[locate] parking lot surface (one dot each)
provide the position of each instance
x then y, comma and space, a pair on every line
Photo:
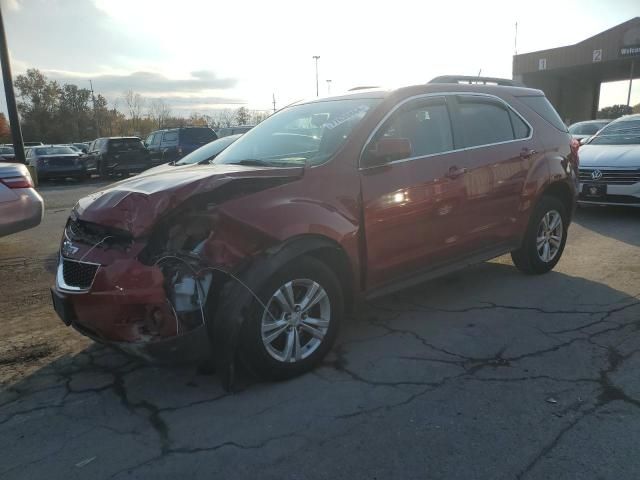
483, 374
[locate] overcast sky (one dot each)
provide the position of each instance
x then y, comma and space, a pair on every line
202, 55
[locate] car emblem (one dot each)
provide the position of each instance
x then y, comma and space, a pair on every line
69, 249
596, 175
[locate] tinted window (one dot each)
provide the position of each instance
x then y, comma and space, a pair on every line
425, 123
170, 136
543, 107
125, 144
483, 122
520, 129
53, 151
197, 136
6, 150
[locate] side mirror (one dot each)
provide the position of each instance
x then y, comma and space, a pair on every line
387, 150
585, 140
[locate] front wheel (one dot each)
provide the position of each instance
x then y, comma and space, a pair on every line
304, 306
545, 238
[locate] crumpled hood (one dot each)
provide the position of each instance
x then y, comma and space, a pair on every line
610, 156
136, 203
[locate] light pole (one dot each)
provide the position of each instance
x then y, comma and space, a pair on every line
328, 87
316, 57
16, 131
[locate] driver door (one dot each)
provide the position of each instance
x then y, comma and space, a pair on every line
404, 190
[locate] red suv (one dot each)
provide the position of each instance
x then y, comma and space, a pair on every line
258, 255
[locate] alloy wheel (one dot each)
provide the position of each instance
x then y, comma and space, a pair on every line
549, 237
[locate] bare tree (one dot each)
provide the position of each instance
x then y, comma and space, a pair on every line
135, 105
159, 112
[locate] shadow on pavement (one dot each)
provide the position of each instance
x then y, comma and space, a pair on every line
621, 223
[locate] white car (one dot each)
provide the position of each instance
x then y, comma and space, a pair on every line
610, 165
21, 207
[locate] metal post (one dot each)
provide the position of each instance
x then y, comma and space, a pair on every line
328, 87
316, 57
95, 116
633, 63
16, 131
274, 102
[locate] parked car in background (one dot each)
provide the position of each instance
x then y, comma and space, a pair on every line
174, 143
264, 250
583, 130
7, 154
610, 164
72, 147
82, 146
56, 161
111, 155
205, 154
21, 207
226, 131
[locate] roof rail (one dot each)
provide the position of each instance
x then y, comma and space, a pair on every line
505, 82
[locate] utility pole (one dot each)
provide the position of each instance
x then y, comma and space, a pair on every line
633, 64
95, 116
328, 87
316, 58
274, 102
12, 109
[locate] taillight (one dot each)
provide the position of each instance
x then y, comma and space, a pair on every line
575, 147
21, 181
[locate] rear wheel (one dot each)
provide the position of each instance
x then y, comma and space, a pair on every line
545, 238
304, 307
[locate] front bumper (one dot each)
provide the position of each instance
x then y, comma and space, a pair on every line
126, 306
62, 172
624, 195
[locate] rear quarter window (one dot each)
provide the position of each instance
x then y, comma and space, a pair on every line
543, 107
170, 137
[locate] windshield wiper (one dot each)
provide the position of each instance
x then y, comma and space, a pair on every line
253, 162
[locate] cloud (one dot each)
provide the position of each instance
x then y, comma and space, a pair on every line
10, 4
147, 82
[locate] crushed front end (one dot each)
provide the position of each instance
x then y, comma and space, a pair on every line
153, 308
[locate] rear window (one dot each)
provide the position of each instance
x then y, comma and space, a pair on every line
484, 122
543, 107
197, 135
53, 151
125, 144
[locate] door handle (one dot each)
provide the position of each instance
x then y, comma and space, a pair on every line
527, 153
455, 172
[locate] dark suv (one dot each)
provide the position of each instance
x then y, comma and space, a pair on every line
117, 155
174, 143
260, 253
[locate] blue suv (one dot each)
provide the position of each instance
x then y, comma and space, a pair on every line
174, 143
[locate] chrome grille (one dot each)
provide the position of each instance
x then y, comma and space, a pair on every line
618, 176
77, 275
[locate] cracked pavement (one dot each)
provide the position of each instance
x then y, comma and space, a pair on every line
483, 374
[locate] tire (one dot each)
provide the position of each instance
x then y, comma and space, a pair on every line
529, 258
303, 273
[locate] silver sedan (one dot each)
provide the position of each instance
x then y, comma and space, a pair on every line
21, 207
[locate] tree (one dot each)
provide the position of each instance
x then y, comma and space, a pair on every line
615, 111
636, 108
38, 105
135, 104
242, 116
5, 131
159, 112
258, 116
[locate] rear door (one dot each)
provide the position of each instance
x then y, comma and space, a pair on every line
153, 146
404, 200
489, 179
128, 154
169, 146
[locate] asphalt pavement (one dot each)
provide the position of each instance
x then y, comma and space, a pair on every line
483, 374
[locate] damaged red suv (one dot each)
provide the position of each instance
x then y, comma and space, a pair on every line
258, 255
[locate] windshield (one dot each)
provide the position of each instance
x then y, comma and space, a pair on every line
208, 151
309, 133
626, 132
53, 151
586, 128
